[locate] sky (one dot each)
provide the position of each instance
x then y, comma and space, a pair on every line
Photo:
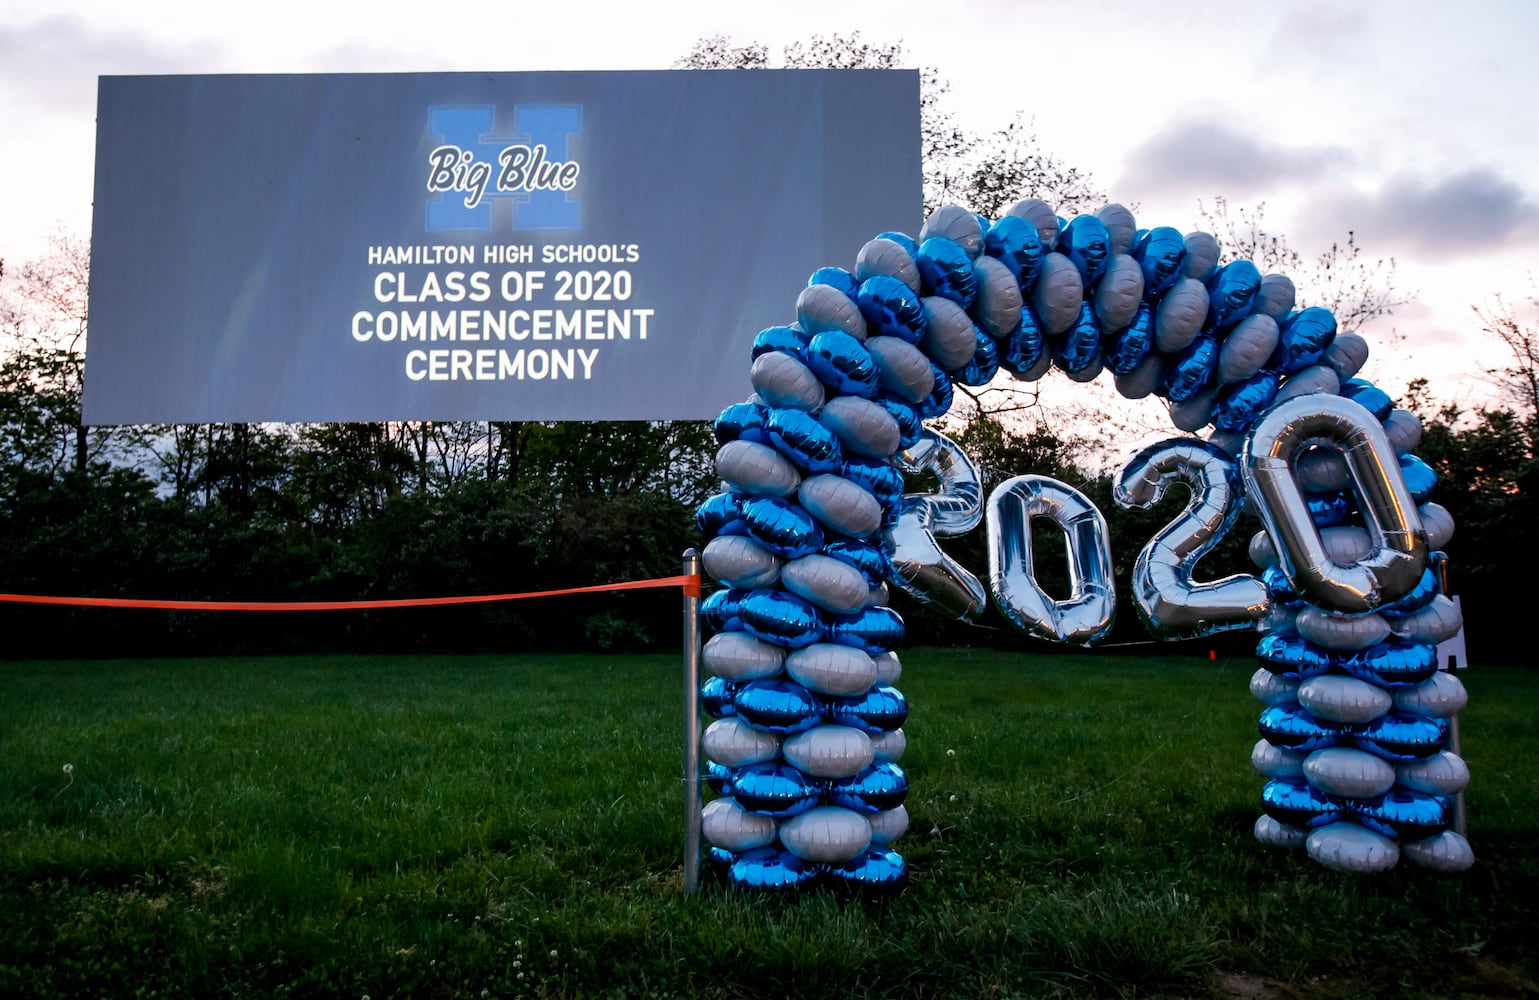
1408, 123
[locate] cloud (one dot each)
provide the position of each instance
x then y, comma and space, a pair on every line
1206, 158
1318, 33
53, 64
1476, 211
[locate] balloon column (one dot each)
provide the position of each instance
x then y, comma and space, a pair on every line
812, 526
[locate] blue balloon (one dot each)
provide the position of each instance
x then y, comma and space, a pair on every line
1232, 293
885, 481
1292, 727
1303, 340
877, 869
1192, 369
891, 308
721, 514
843, 364
742, 421
1280, 588
1238, 405
781, 618
1087, 243
718, 777
910, 425
865, 556
1330, 509
722, 610
1160, 253
770, 869
1403, 814
836, 277
774, 788
1024, 345
1369, 396
878, 788
785, 528
1016, 244
1402, 736
716, 697
939, 400
717, 861
1127, 348
809, 445
947, 271
903, 240
1420, 478
872, 629
1420, 596
880, 710
1081, 345
1393, 663
1298, 803
984, 364
785, 339
1290, 655
777, 705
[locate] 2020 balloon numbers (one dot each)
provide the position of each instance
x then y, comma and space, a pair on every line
813, 527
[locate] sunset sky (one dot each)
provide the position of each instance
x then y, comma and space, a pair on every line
1409, 123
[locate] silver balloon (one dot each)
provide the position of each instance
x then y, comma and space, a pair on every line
824, 307
1144, 379
1315, 378
1275, 297
1385, 575
1247, 348
1202, 256
1439, 524
826, 834
862, 427
1272, 689
1060, 291
957, 224
920, 568
884, 256
998, 307
959, 503
1335, 631
1348, 847
1436, 622
1347, 354
1170, 603
783, 381
1041, 215
1179, 319
750, 467
904, 370
1119, 292
1404, 431
1121, 228
950, 338
1085, 616
1349, 772
1447, 852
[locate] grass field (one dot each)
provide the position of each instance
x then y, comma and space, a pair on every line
510, 826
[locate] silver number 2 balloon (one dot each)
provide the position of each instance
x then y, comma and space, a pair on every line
919, 567
1170, 603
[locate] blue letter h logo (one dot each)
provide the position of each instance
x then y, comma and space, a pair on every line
472, 127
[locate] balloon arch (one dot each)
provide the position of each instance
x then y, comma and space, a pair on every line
813, 527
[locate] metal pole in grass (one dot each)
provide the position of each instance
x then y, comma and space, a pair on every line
692, 725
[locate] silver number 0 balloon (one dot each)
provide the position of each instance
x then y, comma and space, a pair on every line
1394, 567
1171, 604
1086, 614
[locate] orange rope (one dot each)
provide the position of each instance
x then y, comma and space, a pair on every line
690, 584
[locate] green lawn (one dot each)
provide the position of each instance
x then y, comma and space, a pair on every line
510, 826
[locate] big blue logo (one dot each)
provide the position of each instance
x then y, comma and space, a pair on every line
471, 169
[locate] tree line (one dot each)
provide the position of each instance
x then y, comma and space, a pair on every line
330, 512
